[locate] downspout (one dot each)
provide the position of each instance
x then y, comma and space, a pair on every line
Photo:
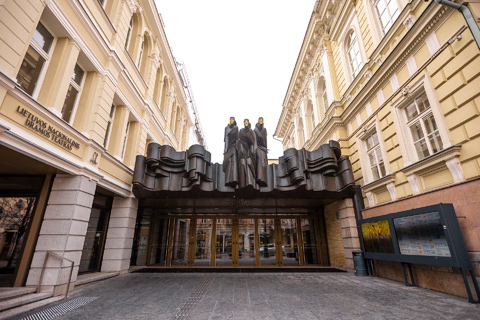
467, 14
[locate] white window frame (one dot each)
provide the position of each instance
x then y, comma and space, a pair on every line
352, 54
125, 140
79, 88
140, 54
351, 25
45, 55
374, 20
398, 106
129, 34
108, 132
366, 166
390, 15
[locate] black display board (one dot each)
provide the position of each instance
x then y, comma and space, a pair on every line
429, 235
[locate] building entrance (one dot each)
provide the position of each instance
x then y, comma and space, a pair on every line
226, 241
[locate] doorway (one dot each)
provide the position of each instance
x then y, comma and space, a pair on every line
226, 241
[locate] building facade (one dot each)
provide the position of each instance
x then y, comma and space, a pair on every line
395, 82
85, 86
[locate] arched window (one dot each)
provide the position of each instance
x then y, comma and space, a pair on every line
129, 34
322, 97
164, 101
143, 58
353, 53
388, 12
140, 54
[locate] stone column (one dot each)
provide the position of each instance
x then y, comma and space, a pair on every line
121, 228
348, 224
63, 232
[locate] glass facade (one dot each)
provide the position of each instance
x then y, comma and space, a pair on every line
226, 241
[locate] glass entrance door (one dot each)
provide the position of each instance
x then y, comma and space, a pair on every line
246, 242
267, 250
224, 242
159, 248
290, 256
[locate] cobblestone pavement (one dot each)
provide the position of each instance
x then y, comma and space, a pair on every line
257, 296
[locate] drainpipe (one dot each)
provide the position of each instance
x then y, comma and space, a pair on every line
467, 14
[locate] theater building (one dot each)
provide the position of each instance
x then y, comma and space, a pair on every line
395, 83
84, 87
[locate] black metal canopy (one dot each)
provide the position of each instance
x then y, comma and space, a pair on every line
189, 178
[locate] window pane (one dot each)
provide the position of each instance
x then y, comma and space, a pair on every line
422, 103
203, 242
411, 111
375, 173
69, 103
422, 149
43, 38
30, 70
417, 132
77, 74
373, 160
383, 172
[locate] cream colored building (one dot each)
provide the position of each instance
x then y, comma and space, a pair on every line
396, 82
84, 87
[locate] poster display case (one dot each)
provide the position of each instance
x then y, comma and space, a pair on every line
429, 235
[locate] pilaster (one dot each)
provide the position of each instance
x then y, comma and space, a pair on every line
348, 225
63, 232
119, 242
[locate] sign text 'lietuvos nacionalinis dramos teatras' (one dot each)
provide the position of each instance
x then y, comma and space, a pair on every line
41, 127
165, 172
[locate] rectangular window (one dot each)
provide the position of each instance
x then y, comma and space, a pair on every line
125, 140
375, 157
423, 127
38, 54
388, 12
109, 127
73, 94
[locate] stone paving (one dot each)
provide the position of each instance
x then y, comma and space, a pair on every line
261, 296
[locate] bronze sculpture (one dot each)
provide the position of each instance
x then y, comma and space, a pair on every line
246, 146
230, 158
261, 152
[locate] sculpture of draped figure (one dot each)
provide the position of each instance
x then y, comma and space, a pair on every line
230, 158
246, 146
261, 153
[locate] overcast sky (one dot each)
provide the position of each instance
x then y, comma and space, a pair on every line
239, 57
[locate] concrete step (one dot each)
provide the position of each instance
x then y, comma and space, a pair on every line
15, 312
22, 300
9, 293
93, 277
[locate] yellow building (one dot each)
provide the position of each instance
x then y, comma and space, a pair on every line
396, 83
84, 87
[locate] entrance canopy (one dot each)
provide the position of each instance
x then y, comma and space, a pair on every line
170, 178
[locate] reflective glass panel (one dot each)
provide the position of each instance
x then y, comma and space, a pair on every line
223, 246
93, 245
203, 242
15, 214
246, 242
309, 237
180, 241
141, 241
69, 103
289, 242
158, 255
43, 38
30, 69
266, 232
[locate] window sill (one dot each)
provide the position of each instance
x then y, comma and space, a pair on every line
379, 186
429, 165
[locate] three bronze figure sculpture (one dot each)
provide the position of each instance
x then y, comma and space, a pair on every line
245, 154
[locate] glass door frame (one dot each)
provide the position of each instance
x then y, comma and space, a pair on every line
319, 232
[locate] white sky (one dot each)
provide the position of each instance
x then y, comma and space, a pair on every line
239, 57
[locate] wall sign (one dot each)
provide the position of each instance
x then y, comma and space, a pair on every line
42, 128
